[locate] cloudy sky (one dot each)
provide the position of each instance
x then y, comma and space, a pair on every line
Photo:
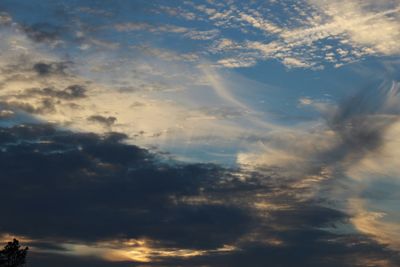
201, 133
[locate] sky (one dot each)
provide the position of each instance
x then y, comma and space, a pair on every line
202, 133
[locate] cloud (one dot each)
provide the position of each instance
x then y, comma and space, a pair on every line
312, 34
41, 107
295, 63
5, 18
309, 35
363, 120
98, 197
237, 63
69, 93
143, 197
89, 197
260, 23
107, 121
130, 26
178, 12
52, 68
365, 23
139, 26
43, 32
202, 35
37, 82
374, 223
352, 149
94, 11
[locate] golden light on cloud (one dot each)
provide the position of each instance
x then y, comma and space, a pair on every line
374, 223
7, 237
212, 131
137, 250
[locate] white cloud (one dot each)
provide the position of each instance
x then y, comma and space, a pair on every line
202, 35
293, 62
178, 12
305, 101
298, 34
364, 23
5, 18
237, 62
260, 23
153, 96
357, 162
374, 223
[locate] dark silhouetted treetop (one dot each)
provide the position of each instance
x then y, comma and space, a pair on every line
13, 255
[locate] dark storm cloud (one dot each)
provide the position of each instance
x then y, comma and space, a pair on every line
48, 259
85, 187
59, 186
302, 244
311, 251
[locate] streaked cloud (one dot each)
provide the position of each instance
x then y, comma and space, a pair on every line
203, 133
132, 26
356, 146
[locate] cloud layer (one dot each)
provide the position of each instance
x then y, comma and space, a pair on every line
93, 196
147, 134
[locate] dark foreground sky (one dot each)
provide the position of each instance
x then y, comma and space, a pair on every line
201, 133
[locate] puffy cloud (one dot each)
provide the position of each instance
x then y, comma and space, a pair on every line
237, 62
295, 63
260, 23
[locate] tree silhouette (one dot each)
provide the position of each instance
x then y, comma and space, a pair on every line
13, 255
